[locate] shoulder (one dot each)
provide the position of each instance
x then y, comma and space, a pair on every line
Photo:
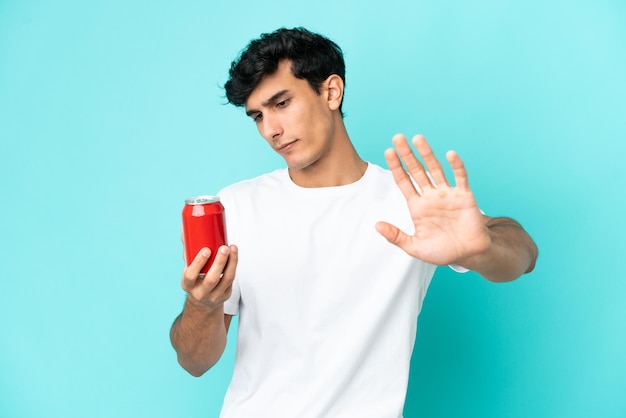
264, 181
379, 173
380, 181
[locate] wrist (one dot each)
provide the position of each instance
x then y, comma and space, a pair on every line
209, 308
474, 262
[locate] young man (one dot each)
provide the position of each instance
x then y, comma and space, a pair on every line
334, 254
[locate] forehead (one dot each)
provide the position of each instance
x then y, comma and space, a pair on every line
282, 79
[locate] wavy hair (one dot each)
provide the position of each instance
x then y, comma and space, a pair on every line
313, 58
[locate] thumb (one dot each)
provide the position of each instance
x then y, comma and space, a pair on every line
392, 234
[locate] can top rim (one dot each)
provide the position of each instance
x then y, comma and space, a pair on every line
202, 200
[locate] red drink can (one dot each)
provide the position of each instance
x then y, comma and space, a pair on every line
203, 226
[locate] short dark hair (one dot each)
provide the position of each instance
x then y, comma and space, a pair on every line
313, 58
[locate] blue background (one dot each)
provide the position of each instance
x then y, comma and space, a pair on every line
111, 114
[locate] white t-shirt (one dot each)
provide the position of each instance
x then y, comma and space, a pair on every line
327, 307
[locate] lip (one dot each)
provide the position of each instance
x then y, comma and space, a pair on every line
286, 147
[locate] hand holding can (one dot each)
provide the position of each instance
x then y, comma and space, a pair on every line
203, 226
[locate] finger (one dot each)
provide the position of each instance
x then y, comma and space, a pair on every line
228, 275
458, 168
393, 234
400, 176
435, 169
214, 275
413, 165
192, 271
231, 264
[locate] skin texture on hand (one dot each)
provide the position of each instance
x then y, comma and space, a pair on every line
449, 227
215, 288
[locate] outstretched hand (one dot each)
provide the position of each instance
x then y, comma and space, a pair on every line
449, 227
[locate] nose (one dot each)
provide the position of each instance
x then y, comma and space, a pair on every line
271, 128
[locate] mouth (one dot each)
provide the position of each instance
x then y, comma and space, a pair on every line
286, 147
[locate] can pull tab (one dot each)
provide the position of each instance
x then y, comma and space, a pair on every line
198, 210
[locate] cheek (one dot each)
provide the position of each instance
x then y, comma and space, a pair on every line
311, 121
317, 120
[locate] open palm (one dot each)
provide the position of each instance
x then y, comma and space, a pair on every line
449, 227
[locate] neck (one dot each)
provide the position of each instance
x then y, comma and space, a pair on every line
340, 165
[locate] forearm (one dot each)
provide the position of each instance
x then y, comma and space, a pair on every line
512, 252
199, 336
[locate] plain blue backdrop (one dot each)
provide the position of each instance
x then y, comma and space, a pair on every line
111, 114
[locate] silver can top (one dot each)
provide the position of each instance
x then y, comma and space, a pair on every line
202, 200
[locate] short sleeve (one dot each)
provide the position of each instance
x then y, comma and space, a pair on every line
231, 306
458, 269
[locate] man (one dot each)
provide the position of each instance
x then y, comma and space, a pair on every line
336, 253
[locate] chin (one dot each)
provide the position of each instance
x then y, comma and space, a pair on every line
301, 162
297, 165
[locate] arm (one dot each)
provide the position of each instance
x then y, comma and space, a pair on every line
449, 227
199, 332
511, 252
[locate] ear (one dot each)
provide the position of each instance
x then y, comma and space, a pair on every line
334, 91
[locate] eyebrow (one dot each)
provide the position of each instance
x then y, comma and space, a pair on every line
269, 101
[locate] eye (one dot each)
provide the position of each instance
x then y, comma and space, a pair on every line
283, 103
257, 117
